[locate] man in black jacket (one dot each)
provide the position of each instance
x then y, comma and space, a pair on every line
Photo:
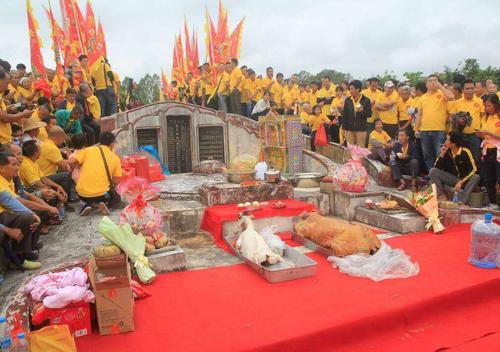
357, 109
455, 167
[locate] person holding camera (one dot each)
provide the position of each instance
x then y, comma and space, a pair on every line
455, 167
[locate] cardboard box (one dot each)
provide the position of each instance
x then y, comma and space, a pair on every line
113, 298
76, 316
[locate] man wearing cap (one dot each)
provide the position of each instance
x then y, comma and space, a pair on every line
386, 105
31, 129
51, 162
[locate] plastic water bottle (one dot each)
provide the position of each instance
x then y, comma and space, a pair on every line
485, 243
455, 198
4, 331
7, 345
22, 344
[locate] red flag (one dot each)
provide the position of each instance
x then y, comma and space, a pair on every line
56, 40
176, 71
81, 24
93, 48
166, 89
37, 67
180, 58
209, 32
187, 43
74, 46
101, 40
196, 55
235, 40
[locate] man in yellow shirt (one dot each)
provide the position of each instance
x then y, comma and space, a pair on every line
223, 88
475, 107
277, 93
93, 185
305, 117
43, 110
313, 94
373, 93
17, 222
103, 79
236, 82
405, 109
92, 113
268, 81
252, 91
7, 118
326, 95
32, 177
290, 98
480, 88
386, 106
431, 119
51, 162
70, 101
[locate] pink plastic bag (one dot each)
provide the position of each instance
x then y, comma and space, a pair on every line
131, 188
352, 176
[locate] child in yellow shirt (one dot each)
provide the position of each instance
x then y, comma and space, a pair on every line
316, 120
380, 143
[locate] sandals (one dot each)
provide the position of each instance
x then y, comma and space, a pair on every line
414, 185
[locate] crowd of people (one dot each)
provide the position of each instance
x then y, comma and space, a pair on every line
52, 153
446, 132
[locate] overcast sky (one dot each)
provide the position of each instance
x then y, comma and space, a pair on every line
361, 37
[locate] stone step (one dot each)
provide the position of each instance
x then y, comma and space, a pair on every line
402, 223
313, 196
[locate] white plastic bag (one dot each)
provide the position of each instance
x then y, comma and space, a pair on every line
260, 171
387, 263
273, 241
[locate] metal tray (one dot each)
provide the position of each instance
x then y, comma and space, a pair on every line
280, 271
312, 245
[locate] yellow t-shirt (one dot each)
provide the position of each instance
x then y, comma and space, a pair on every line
225, 78
382, 137
316, 121
313, 98
403, 107
326, 93
5, 127
289, 97
50, 155
337, 103
390, 116
22, 95
42, 135
94, 107
7, 186
206, 84
93, 181
491, 124
252, 90
433, 108
233, 79
373, 96
29, 172
267, 84
244, 95
100, 75
277, 94
474, 107
305, 118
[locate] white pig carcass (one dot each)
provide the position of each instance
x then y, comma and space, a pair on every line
253, 246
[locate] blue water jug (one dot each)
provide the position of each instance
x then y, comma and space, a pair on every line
484, 243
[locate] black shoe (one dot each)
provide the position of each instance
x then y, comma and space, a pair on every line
69, 208
37, 246
86, 210
32, 256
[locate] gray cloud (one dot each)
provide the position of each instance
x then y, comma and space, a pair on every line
362, 37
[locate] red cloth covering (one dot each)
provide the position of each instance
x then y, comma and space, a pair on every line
216, 216
234, 309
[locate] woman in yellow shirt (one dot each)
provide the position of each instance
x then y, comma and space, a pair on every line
25, 93
317, 119
490, 131
379, 143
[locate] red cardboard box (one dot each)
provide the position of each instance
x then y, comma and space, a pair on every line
76, 316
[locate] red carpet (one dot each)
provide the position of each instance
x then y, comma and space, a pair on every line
450, 305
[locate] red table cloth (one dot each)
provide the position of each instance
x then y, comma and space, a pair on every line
214, 217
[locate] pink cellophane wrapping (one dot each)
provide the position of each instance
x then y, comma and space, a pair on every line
131, 188
352, 176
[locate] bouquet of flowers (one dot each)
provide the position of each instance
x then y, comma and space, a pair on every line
426, 203
352, 176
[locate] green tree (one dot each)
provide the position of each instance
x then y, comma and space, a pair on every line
148, 89
386, 76
414, 77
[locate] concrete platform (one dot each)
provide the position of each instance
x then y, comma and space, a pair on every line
402, 223
181, 216
187, 186
314, 196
